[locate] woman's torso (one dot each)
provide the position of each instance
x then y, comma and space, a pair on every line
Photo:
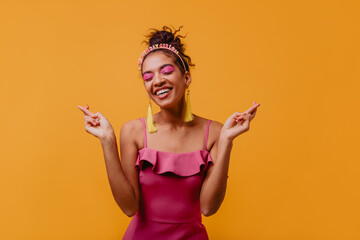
170, 185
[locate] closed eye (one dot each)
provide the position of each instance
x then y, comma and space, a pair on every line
148, 76
167, 69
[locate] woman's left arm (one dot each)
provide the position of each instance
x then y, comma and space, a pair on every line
214, 186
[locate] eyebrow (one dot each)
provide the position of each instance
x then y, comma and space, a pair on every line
161, 67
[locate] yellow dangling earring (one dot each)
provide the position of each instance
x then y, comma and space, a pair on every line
150, 121
188, 115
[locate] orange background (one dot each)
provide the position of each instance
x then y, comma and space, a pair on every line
294, 175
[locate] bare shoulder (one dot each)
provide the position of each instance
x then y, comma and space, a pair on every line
214, 131
131, 132
131, 125
215, 126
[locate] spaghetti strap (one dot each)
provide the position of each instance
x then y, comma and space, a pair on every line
144, 131
206, 135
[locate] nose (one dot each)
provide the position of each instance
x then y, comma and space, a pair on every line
158, 80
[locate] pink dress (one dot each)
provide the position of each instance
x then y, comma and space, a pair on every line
170, 185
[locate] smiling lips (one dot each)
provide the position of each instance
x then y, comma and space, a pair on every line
162, 93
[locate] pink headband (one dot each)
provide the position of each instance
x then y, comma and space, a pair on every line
158, 46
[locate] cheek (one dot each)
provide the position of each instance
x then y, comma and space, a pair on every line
147, 86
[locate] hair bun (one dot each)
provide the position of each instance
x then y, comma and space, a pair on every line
161, 37
167, 35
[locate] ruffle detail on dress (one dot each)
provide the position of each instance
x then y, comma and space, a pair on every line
181, 164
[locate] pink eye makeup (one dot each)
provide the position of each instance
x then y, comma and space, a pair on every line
148, 76
167, 69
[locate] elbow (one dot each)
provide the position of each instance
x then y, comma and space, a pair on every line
208, 212
128, 206
209, 208
130, 212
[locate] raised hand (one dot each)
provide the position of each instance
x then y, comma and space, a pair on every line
239, 123
96, 124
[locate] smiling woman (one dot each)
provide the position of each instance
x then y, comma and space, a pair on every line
164, 82
174, 164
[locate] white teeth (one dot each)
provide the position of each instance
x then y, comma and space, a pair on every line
162, 91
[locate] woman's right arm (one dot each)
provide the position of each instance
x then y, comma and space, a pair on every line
122, 175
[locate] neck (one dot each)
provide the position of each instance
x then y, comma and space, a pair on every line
172, 116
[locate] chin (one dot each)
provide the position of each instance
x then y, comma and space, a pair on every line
167, 105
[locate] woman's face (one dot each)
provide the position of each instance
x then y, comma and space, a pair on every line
163, 80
